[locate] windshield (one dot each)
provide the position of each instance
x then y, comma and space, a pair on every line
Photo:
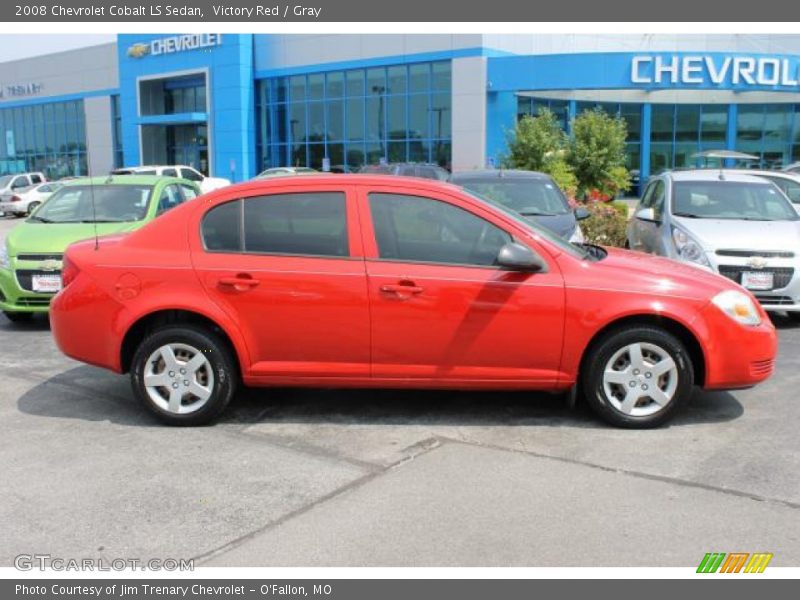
730, 200
99, 203
543, 232
529, 197
5, 180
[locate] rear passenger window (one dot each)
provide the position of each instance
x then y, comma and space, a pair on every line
36, 179
312, 224
222, 228
170, 172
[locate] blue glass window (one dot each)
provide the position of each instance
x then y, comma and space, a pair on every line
396, 113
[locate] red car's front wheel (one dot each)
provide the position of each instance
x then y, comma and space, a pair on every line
638, 377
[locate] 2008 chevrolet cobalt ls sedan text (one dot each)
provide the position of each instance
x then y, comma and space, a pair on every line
370, 281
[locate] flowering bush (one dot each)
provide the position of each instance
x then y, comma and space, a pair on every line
607, 224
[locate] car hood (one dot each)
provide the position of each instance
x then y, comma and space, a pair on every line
745, 235
631, 271
35, 238
562, 225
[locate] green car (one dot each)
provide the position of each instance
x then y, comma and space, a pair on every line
30, 258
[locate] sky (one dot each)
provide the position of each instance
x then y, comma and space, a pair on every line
14, 47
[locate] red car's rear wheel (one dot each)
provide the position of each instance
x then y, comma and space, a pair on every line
185, 375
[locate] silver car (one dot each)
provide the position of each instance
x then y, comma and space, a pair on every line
735, 224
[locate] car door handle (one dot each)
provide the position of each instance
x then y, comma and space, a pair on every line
401, 289
239, 283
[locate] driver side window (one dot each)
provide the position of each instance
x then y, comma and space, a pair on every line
416, 229
170, 198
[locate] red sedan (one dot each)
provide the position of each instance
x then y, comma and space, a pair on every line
370, 281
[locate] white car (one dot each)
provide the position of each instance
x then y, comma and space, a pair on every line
11, 185
787, 181
729, 222
207, 184
24, 202
281, 171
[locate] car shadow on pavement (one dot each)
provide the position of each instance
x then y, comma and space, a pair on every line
37, 322
91, 394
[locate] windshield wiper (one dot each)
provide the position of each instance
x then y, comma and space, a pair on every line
40, 219
688, 215
102, 221
536, 213
592, 250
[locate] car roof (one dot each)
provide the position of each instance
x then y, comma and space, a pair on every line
765, 173
124, 180
338, 180
713, 175
144, 167
499, 174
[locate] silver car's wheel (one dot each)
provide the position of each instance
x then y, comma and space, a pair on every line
178, 378
640, 379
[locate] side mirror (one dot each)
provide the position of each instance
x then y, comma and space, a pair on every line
646, 214
517, 257
581, 213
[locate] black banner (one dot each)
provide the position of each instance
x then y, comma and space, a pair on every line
406, 11
372, 589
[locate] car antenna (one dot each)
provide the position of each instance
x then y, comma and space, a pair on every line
91, 195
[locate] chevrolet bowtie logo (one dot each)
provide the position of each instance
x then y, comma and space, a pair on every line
757, 262
138, 50
50, 265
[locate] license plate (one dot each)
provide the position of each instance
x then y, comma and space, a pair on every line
47, 284
757, 280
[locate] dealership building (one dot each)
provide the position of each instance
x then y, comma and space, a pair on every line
234, 104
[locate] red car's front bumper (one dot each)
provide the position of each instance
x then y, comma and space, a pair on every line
736, 356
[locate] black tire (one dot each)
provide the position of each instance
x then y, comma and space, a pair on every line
220, 362
18, 317
607, 347
793, 316
32, 207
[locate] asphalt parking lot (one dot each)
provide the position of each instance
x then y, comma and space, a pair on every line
384, 478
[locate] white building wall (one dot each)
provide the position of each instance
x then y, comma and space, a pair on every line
469, 113
645, 42
99, 136
71, 72
287, 51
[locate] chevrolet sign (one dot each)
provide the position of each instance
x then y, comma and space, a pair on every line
715, 70
175, 43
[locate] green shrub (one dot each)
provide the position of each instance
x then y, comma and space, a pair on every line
607, 224
597, 154
534, 142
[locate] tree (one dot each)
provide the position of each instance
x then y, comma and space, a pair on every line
534, 142
539, 144
596, 153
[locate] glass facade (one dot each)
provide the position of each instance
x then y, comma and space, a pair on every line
48, 137
770, 131
397, 113
679, 131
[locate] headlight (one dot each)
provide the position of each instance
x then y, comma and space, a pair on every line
577, 236
689, 250
738, 306
4, 262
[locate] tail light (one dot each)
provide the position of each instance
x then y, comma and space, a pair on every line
69, 271
15, 199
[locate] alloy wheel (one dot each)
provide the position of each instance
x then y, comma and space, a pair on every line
178, 378
640, 379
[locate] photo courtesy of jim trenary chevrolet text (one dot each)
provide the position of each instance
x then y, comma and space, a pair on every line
343, 299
